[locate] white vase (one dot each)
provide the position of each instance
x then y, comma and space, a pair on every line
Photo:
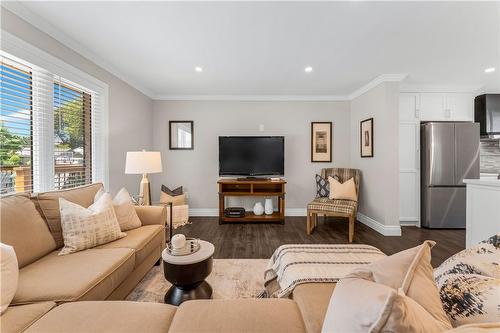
258, 209
269, 209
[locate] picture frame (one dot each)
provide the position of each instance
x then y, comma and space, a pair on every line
321, 142
181, 135
366, 138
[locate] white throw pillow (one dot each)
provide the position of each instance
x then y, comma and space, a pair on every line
342, 191
124, 209
84, 228
9, 275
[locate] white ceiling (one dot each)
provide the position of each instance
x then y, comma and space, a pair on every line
261, 48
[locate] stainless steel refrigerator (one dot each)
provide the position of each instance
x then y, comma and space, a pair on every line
449, 153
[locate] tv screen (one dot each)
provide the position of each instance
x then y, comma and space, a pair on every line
251, 155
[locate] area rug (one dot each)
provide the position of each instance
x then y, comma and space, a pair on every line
230, 279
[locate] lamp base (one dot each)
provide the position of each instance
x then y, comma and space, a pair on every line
145, 190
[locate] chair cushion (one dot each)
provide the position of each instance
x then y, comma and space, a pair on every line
345, 207
238, 315
143, 241
23, 228
48, 204
18, 318
87, 275
107, 316
312, 300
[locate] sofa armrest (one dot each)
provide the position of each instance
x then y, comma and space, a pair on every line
150, 215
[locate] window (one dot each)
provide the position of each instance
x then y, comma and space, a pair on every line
72, 136
15, 127
51, 130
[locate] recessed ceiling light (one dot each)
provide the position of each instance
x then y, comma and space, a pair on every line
308, 69
198, 69
489, 70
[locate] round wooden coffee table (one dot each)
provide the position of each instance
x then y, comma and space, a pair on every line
187, 274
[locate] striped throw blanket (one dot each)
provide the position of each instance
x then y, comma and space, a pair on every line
295, 264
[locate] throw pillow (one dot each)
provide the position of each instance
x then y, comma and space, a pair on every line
342, 191
322, 187
177, 200
398, 293
84, 228
124, 209
469, 283
174, 192
9, 275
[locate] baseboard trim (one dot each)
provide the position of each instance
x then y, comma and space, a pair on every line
408, 223
385, 230
215, 212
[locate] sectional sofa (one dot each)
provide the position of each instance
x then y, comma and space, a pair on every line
81, 291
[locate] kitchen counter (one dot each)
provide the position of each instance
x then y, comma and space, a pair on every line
483, 209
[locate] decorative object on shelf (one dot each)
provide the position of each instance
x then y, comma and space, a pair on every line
181, 135
366, 137
321, 141
258, 209
268, 206
143, 162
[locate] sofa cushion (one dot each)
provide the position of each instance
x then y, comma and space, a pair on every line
48, 203
107, 316
18, 318
23, 228
9, 275
239, 315
143, 241
312, 300
87, 275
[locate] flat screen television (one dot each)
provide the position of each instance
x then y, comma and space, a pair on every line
251, 155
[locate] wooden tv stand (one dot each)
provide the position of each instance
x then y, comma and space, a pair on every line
252, 188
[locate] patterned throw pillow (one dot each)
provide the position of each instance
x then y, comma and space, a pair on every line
84, 228
469, 283
323, 186
174, 192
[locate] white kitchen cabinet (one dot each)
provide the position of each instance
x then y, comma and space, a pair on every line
408, 109
460, 106
432, 107
446, 106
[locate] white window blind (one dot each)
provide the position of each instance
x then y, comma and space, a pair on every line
16, 111
52, 134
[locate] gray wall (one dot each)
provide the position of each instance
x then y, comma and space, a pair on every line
197, 170
130, 111
379, 193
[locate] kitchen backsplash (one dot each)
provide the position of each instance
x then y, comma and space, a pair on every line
490, 156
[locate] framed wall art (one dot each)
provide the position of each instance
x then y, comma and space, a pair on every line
321, 142
366, 137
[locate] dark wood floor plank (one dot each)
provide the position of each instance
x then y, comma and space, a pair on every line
258, 241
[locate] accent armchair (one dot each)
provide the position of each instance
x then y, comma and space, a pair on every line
332, 207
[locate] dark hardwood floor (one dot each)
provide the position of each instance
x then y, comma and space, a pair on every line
258, 241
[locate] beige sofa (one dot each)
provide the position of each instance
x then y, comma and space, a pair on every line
108, 272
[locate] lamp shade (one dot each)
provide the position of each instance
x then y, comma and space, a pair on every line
140, 162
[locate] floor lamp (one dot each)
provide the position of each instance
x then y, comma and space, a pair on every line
143, 162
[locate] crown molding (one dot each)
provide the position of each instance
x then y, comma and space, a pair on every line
38, 22
375, 82
254, 98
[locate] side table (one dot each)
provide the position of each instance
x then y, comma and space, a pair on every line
187, 274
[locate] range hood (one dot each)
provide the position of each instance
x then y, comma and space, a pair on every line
487, 114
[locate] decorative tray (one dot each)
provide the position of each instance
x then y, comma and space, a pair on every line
192, 245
